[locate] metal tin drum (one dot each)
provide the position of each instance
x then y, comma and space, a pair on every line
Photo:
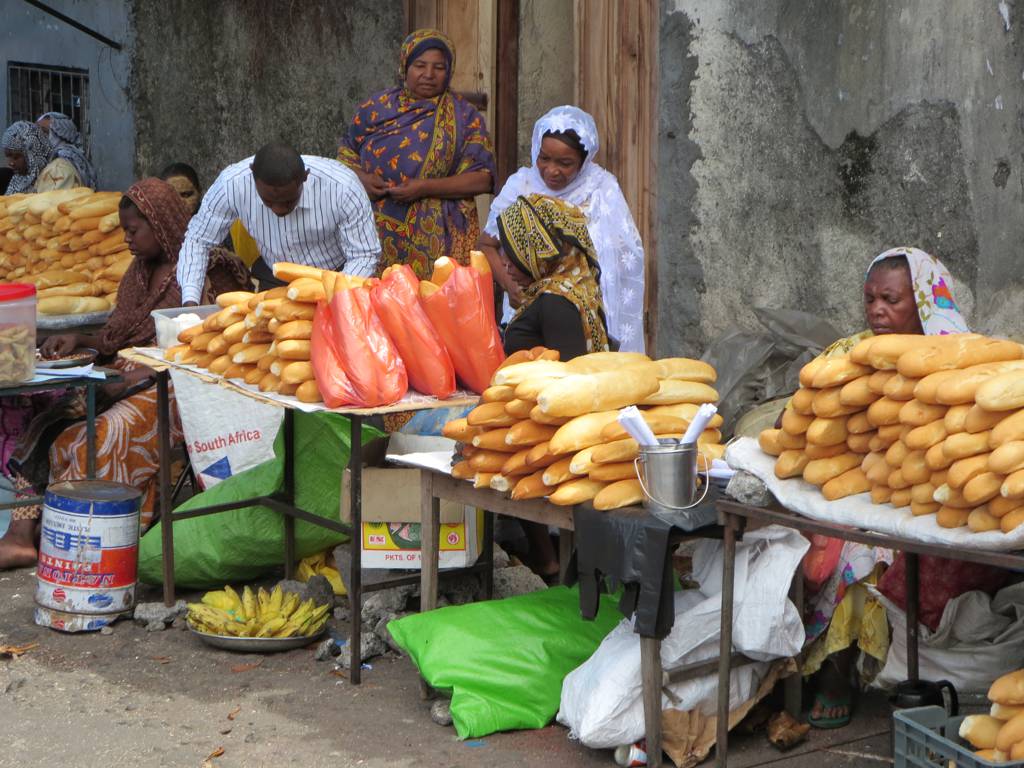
668, 477
88, 554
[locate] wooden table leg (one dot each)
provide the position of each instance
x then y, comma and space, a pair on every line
430, 525
793, 685
163, 420
912, 602
650, 667
565, 545
355, 574
725, 639
487, 582
289, 490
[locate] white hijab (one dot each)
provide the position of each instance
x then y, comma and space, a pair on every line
616, 239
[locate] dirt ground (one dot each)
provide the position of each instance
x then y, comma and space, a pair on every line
163, 698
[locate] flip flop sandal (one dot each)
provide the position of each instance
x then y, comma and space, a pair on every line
825, 702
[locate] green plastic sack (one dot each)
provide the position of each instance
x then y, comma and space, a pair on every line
242, 544
503, 661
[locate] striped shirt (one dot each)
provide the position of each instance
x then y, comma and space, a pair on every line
332, 227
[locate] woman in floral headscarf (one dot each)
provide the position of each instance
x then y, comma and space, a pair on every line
565, 143
31, 157
422, 153
154, 221
67, 143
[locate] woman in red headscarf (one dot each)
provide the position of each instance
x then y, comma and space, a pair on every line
154, 219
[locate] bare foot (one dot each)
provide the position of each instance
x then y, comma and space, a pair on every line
17, 546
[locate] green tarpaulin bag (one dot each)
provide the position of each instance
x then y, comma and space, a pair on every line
243, 544
503, 661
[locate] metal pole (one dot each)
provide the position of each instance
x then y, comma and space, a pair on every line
725, 639
289, 491
166, 515
913, 596
90, 431
355, 576
76, 24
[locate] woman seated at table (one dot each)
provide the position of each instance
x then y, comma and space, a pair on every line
905, 291
34, 162
422, 153
67, 143
53, 447
565, 144
546, 241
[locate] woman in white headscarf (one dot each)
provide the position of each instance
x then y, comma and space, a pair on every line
565, 142
31, 157
67, 143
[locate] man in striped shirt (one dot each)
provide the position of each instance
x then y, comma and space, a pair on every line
298, 208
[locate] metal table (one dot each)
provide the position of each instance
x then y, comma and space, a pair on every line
283, 501
66, 382
736, 517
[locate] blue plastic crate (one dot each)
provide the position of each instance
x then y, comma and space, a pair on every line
926, 737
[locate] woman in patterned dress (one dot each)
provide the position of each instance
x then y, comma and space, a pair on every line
422, 153
53, 448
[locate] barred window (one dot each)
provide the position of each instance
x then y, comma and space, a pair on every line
33, 89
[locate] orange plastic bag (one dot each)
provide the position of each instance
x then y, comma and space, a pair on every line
371, 362
462, 311
396, 300
334, 385
821, 560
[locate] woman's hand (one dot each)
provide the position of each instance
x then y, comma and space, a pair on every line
61, 345
409, 192
374, 185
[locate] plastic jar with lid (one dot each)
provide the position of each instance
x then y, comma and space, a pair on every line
17, 333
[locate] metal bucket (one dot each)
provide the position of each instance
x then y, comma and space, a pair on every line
88, 554
668, 476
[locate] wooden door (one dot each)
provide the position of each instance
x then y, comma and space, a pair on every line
616, 82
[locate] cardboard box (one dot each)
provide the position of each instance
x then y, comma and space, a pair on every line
391, 522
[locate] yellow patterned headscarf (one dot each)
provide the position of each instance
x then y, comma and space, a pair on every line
548, 239
422, 40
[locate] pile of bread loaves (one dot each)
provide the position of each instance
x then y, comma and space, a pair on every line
999, 736
547, 428
933, 423
69, 244
263, 338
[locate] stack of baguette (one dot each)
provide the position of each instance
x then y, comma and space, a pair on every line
263, 338
999, 735
547, 428
69, 244
933, 423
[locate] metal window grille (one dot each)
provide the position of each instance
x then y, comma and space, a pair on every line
33, 90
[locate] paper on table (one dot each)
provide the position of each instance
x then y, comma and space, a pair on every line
82, 371
438, 461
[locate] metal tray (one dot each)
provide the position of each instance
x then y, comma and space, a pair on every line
86, 356
256, 644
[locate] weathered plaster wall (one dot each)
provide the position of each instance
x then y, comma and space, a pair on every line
546, 63
215, 80
799, 139
31, 36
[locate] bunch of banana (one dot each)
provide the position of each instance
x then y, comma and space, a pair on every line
257, 614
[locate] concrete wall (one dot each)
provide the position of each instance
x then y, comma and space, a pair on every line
547, 63
799, 139
215, 80
30, 36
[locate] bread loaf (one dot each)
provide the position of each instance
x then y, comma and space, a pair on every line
895, 454
825, 451
492, 440
858, 443
542, 418
617, 495
850, 483
576, 491
1005, 712
950, 497
460, 431
218, 345
899, 387
1010, 428
825, 431
964, 444
659, 424
917, 414
685, 411
583, 461
220, 364
598, 362
962, 471
914, 467
938, 477
858, 424
1007, 458
859, 353
980, 731
956, 351
254, 375
298, 330
490, 415
952, 517
980, 420
1004, 392
487, 461
71, 305
234, 297
269, 382
683, 368
982, 487
288, 310
884, 411
795, 423
530, 487
981, 520
521, 409
1012, 730
1013, 485
499, 393
463, 471
1001, 506
856, 393
540, 456
935, 457
250, 354
836, 371
810, 370
956, 418
1011, 520
927, 389
963, 387
880, 494
672, 391
791, 464
820, 471
286, 271
768, 441
307, 289
897, 482
827, 404
923, 438
879, 473
613, 472
514, 375
803, 401
588, 393
900, 499
625, 449
922, 493
878, 380
483, 479
558, 472
919, 509
516, 464
886, 350
582, 432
